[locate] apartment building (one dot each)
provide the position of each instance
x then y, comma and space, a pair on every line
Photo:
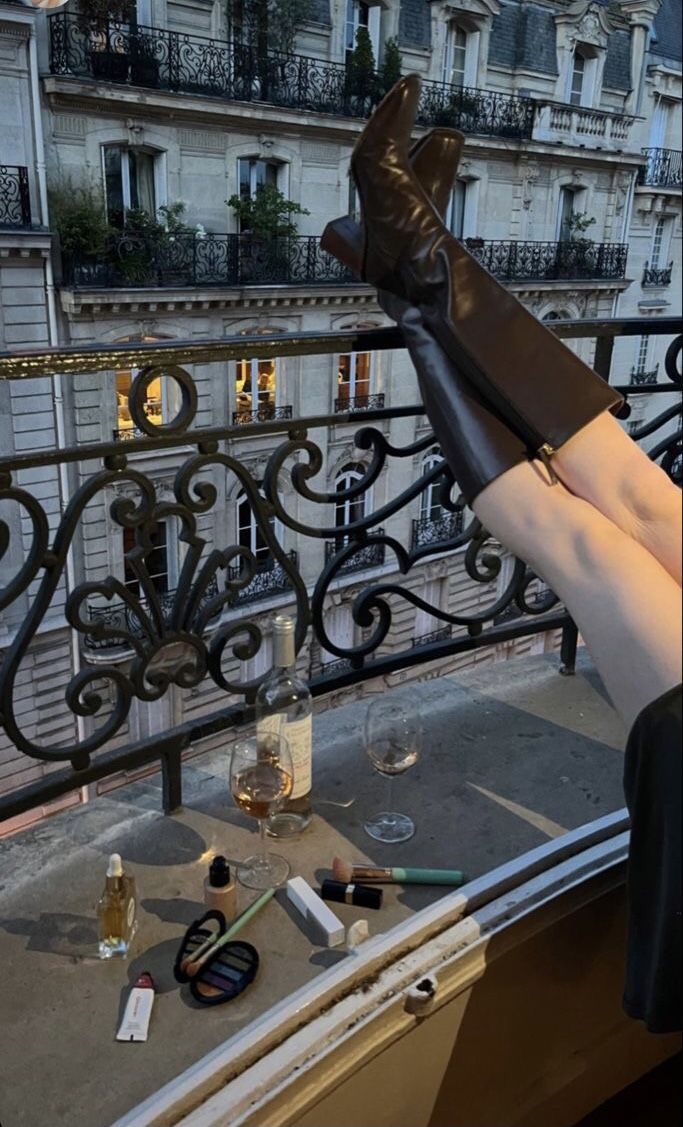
569, 191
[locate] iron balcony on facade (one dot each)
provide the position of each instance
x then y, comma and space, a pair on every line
190, 259
365, 555
656, 276
434, 530
663, 169
128, 620
15, 200
270, 578
435, 636
346, 404
571, 259
640, 378
265, 413
153, 57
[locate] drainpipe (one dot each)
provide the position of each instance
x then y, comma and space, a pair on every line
53, 336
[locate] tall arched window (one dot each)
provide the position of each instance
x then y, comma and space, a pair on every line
249, 534
347, 510
430, 506
578, 78
455, 57
161, 399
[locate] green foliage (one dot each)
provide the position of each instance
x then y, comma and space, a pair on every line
145, 236
284, 18
98, 10
392, 65
78, 216
269, 214
268, 24
361, 77
578, 222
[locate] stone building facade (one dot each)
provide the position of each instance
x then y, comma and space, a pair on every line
555, 193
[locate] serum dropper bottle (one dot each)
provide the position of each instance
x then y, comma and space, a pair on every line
116, 911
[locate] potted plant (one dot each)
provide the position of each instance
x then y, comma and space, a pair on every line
575, 257
79, 220
267, 225
104, 22
362, 86
392, 66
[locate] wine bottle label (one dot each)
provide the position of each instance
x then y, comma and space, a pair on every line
299, 736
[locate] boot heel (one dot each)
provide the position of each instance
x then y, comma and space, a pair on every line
343, 239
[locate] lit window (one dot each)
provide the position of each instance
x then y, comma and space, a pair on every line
455, 57
255, 387
153, 405
129, 182
578, 77
353, 378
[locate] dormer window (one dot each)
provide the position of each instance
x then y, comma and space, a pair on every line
578, 79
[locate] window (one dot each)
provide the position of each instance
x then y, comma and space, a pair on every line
249, 534
353, 206
642, 350
353, 378
129, 181
254, 174
156, 562
255, 387
361, 14
349, 509
159, 404
657, 241
456, 209
567, 209
455, 57
430, 507
577, 79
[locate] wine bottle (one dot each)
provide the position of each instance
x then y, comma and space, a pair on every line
284, 705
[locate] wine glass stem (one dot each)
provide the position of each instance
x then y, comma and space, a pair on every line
390, 793
262, 839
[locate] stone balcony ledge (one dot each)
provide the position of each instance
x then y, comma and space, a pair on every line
514, 756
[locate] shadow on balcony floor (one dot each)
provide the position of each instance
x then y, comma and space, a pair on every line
513, 755
653, 1101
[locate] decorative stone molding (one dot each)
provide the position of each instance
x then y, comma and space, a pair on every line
584, 23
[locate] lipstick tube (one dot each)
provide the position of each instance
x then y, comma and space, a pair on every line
351, 894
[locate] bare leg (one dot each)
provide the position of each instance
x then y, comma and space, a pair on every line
626, 605
604, 466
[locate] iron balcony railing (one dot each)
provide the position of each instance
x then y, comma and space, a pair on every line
657, 276
265, 413
346, 403
354, 555
187, 259
210, 630
437, 529
538, 261
640, 378
662, 170
435, 636
152, 57
15, 200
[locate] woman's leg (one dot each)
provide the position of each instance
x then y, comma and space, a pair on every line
626, 605
604, 466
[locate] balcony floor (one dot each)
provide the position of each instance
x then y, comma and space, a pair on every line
513, 754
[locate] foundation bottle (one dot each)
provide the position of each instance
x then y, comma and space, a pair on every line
116, 911
220, 891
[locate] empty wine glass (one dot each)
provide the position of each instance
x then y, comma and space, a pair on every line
261, 778
393, 741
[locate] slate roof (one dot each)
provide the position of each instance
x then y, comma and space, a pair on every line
524, 37
666, 42
414, 24
617, 73
320, 12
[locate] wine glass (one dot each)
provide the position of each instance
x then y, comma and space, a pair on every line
261, 777
393, 741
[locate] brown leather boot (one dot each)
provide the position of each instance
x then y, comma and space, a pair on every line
538, 386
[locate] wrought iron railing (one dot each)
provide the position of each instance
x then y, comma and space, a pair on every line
654, 276
639, 378
264, 413
663, 169
435, 636
15, 199
437, 530
269, 578
353, 555
124, 621
348, 403
538, 261
54, 590
156, 58
187, 259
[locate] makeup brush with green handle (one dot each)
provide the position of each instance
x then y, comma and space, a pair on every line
362, 873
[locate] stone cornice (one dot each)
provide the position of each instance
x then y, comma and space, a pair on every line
86, 303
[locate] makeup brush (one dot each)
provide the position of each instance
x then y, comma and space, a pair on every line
193, 964
350, 873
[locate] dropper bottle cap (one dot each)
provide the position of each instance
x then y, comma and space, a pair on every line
219, 872
115, 868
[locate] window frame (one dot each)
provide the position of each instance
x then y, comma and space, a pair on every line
158, 159
427, 503
349, 474
352, 384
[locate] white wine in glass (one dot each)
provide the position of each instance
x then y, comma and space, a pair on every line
393, 742
261, 778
